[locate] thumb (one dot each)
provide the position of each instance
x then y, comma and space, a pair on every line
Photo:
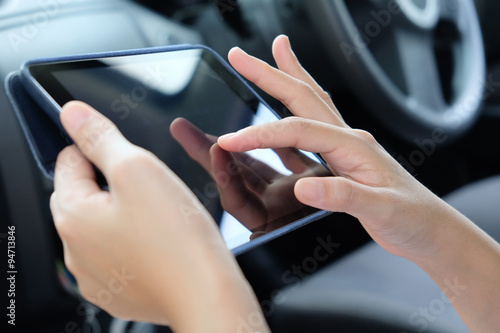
95, 135
338, 194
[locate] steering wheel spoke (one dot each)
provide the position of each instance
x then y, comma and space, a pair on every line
455, 12
421, 64
449, 9
420, 70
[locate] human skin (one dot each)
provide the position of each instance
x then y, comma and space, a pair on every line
253, 192
145, 250
399, 213
151, 225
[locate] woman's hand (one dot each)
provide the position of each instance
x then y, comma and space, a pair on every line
369, 183
146, 249
399, 213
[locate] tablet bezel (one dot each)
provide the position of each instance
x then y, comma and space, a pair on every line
53, 107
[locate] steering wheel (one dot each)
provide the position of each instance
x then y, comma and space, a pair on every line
418, 65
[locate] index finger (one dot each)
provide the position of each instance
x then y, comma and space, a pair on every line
74, 179
304, 134
72, 168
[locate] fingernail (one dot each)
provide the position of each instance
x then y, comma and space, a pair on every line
76, 114
238, 49
257, 234
288, 42
311, 190
227, 136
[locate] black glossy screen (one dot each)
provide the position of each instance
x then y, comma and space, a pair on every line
144, 94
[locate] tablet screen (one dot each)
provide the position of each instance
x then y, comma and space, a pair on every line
144, 94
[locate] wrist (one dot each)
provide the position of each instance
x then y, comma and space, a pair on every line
465, 267
445, 236
219, 299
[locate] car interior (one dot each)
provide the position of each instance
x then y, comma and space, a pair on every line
423, 76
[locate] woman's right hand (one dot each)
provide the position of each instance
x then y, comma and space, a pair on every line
395, 209
398, 212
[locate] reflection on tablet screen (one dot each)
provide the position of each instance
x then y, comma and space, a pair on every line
176, 104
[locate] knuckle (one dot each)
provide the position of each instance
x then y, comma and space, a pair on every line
324, 95
136, 161
288, 122
71, 264
301, 91
94, 134
63, 208
69, 212
304, 89
68, 198
264, 134
130, 162
66, 228
54, 207
296, 124
67, 160
260, 75
365, 136
291, 126
345, 195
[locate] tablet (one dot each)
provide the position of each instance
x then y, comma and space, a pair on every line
175, 102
